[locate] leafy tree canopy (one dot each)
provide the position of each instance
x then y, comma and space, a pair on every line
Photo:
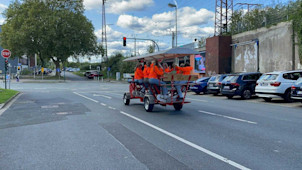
50, 28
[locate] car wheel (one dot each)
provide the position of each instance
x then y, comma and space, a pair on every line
197, 92
125, 100
246, 94
230, 96
177, 106
287, 96
148, 107
215, 94
267, 99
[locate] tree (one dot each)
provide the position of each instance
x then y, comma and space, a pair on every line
151, 49
55, 30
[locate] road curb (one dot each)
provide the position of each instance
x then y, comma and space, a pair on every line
9, 100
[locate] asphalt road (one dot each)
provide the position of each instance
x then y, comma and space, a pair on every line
85, 125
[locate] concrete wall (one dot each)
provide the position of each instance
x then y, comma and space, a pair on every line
275, 50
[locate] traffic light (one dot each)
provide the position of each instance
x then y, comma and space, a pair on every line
6, 64
19, 68
124, 41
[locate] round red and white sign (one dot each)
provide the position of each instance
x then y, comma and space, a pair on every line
5, 53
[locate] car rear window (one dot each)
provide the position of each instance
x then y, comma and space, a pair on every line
214, 78
268, 77
202, 79
232, 78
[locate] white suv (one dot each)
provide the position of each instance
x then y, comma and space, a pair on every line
277, 84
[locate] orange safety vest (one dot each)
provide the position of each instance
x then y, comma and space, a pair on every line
155, 72
138, 74
146, 71
168, 70
185, 70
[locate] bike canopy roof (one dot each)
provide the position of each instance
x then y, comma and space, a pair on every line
165, 54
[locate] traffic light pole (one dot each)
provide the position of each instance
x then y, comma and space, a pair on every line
146, 40
5, 70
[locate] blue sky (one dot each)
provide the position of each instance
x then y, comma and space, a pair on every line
152, 19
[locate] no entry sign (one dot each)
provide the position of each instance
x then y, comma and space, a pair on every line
5, 53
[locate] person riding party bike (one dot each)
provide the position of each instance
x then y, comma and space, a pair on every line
139, 76
156, 72
186, 70
146, 72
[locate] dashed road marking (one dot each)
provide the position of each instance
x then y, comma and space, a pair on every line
103, 104
228, 117
108, 97
111, 108
193, 145
86, 97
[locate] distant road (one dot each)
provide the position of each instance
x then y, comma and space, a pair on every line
73, 77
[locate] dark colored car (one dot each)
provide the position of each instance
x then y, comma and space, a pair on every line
296, 90
214, 84
94, 74
242, 84
201, 85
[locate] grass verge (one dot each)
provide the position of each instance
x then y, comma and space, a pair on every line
6, 94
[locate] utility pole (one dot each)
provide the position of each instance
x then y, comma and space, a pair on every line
248, 9
248, 5
104, 37
223, 14
104, 34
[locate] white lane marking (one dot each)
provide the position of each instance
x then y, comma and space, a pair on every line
43, 88
103, 104
86, 97
221, 158
111, 108
108, 97
120, 94
9, 104
197, 100
228, 117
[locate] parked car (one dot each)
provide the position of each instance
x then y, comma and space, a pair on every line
296, 92
201, 85
241, 84
277, 85
214, 84
87, 73
94, 74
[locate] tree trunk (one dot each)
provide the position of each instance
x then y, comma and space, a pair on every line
57, 63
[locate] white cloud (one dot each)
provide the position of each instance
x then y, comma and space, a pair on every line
189, 22
119, 6
2, 8
112, 35
196, 32
92, 4
190, 16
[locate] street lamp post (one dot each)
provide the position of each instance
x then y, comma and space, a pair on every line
174, 6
